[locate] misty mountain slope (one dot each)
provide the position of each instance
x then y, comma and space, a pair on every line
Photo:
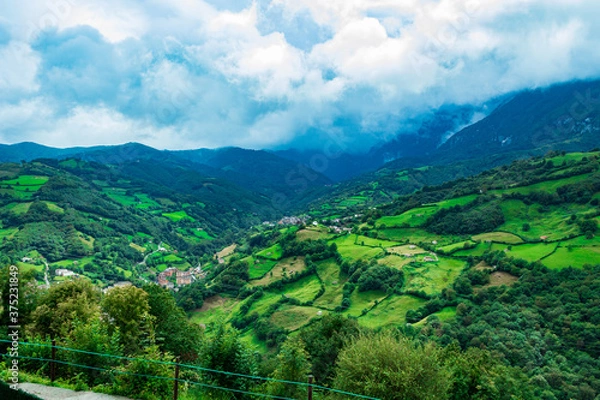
564, 117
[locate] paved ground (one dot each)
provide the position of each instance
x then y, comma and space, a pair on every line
53, 393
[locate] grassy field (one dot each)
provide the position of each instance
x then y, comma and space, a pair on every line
361, 301
119, 195
303, 290
391, 311
547, 186
475, 252
17, 208
394, 261
418, 236
444, 314
411, 218
529, 252
451, 248
352, 201
313, 233
575, 257
26, 180
8, 233
333, 280
261, 305
373, 242
294, 317
572, 157
458, 201
544, 221
257, 268
215, 310
409, 249
432, 277
498, 237
285, 267
351, 251
274, 252
177, 216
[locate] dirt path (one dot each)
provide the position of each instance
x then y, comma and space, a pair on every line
54, 393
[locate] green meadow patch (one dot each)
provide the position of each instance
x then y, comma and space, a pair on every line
575, 257
313, 234
257, 267
394, 261
294, 317
333, 281
529, 252
8, 233
417, 236
18, 208
373, 242
411, 218
215, 309
477, 251
119, 195
261, 305
303, 290
445, 314
274, 252
546, 186
551, 222
451, 248
432, 277
284, 268
498, 237
27, 180
177, 216
362, 302
390, 312
349, 250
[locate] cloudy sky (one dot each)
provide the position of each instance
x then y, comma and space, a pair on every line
272, 73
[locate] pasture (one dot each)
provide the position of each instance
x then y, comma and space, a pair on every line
432, 277
575, 257
333, 281
351, 251
283, 268
294, 317
498, 237
391, 311
274, 252
361, 302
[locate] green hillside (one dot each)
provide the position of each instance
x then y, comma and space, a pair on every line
486, 265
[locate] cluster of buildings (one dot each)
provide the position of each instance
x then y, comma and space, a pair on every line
182, 278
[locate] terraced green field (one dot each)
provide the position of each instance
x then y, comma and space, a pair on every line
575, 257
177, 216
363, 301
411, 218
333, 281
394, 261
451, 248
498, 237
351, 251
274, 252
391, 311
303, 290
283, 268
257, 268
294, 317
551, 222
529, 252
432, 277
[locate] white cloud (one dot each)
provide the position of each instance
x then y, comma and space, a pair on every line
182, 73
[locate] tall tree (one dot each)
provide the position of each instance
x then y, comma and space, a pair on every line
127, 310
